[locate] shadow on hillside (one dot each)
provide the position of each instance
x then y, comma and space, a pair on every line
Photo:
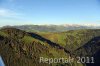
96, 55
91, 42
92, 48
36, 36
96, 59
1, 38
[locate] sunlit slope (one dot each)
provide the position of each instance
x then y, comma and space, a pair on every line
72, 39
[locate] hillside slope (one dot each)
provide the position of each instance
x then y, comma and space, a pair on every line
20, 48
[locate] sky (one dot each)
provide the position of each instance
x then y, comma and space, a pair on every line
1, 62
20, 12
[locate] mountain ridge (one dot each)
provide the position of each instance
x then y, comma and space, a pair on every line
53, 28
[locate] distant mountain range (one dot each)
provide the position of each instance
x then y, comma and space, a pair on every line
53, 28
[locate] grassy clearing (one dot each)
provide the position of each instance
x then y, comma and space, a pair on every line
3, 34
27, 39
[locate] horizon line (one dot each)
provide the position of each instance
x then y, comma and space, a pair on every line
54, 24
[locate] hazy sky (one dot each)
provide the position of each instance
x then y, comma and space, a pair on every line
16, 12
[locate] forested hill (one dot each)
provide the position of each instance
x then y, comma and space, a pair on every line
21, 48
